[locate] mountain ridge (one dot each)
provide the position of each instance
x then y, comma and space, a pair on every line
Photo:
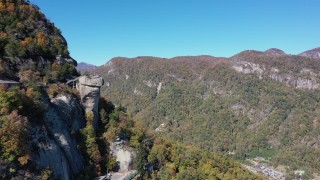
232, 104
54, 125
82, 67
313, 53
271, 52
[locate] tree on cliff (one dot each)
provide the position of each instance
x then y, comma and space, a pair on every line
13, 138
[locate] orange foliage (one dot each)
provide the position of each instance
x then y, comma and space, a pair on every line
41, 39
29, 76
3, 35
10, 7
13, 136
26, 9
23, 160
55, 66
2, 6
53, 90
26, 42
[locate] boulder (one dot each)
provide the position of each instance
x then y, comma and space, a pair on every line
124, 154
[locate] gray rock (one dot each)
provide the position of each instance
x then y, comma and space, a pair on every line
89, 88
124, 155
308, 80
57, 149
51, 155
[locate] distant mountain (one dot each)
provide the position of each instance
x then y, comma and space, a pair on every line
248, 54
256, 103
82, 67
275, 52
313, 53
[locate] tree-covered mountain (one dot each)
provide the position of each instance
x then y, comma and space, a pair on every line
30, 42
47, 128
313, 53
252, 104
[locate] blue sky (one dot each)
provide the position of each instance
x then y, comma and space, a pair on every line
98, 30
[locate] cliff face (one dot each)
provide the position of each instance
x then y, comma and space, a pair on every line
124, 155
64, 116
57, 147
298, 71
305, 79
89, 88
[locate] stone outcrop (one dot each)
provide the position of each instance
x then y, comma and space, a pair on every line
65, 115
306, 79
56, 148
124, 155
89, 88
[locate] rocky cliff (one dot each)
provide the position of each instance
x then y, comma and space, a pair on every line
57, 148
298, 71
89, 88
64, 116
305, 79
34, 52
124, 155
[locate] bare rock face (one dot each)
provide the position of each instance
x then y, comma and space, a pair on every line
124, 155
56, 146
308, 80
89, 88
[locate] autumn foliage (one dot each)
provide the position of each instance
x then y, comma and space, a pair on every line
13, 137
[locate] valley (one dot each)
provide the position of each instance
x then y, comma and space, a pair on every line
226, 104
252, 116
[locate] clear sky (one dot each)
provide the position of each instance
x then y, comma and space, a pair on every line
98, 30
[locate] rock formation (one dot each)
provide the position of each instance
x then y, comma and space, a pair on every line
123, 154
306, 79
56, 147
89, 88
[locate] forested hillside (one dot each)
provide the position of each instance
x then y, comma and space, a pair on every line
33, 57
209, 103
45, 131
30, 45
168, 159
